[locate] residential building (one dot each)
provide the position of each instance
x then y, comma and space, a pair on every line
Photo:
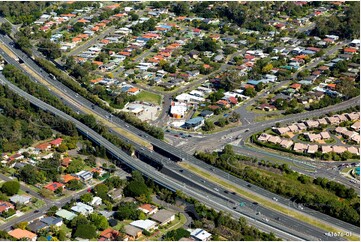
56, 142
132, 232
144, 224
285, 143
5, 206
65, 214
97, 201
54, 185
299, 147
85, 175
326, 149
52, 221
20, 199
274, 139
148, 209
264, 137
194, 123
22, 234
36, 226
339, 149
201, 235
82, 208
163, 217
311, 123
109, 234
312, 149
325, 135
356, 126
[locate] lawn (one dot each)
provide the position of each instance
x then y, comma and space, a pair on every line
265, 202
150, 97
177, 223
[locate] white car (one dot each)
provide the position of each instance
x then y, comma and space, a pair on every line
274, 198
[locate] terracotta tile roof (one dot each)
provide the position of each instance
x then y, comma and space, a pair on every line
53, 186
57, 141
21, 233
67, 177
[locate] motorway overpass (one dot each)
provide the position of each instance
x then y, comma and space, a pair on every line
154, 155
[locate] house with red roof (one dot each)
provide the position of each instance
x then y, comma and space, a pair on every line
296, 86
223, 103
109, 235
349, 50
148, 209
56, 142
43, 147
5, 206
66, 161
21, 234
54, 185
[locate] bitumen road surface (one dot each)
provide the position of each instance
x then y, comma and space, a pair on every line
129, 128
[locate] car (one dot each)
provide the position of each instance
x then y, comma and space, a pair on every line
27, 191
300, 207
234, 208
249, 185
258, 213
203, 181
181, 170
225, 191
278, 218
274, 198
216, 189
265, 219
255, 203
246, 130
36, 211
233, 193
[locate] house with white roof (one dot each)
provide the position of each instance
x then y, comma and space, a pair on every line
82, 208
201, 235
144, 224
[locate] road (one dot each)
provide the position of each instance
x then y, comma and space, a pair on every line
121, 123
206, 195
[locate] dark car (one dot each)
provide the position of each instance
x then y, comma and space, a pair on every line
233, 193
181, 170
278, 219
225, 191
36, 211
255, 203
249, 185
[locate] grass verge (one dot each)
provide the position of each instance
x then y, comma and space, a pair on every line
265, 202
150, 97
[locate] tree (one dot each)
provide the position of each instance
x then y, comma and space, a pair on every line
10, 188
74, 185
346, 155
267, 68
52, 210
46, 193
127, 211
177, 234
208, 125
86, 198
85, 231
21, 225
49, 49
5, 28
250, 92
99, 221
101, 190
222, 122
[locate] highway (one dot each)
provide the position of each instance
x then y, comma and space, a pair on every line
72, 96
205, 196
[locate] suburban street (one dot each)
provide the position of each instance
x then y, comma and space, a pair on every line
114, 120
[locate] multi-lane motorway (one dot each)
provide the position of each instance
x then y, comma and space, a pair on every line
177, 152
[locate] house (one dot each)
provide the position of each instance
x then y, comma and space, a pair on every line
339, 149
43, 147
109, 234
326, 149
263, 137
356, 126
144, 224
301, 126
285, 143
293, 128
266, 107
132, 232
56, 142
5, 206
312, 149
97, 201
20, 199
353, 150
353, 116
54, 186
325, 135
299, 147
281, 130
66, 161
20, 234
313, 137
52, 221
82, 208
148, 209
333, 120
206, 113
133, 91
274, 139
194, 54
201, 235
163, 217
65, 214
311, 123
67, 178
84, 175
296, 86
194, 123
36, 226
223, 103
322, 121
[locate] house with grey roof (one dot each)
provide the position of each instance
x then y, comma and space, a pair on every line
52, 221
20, 199
163, 216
